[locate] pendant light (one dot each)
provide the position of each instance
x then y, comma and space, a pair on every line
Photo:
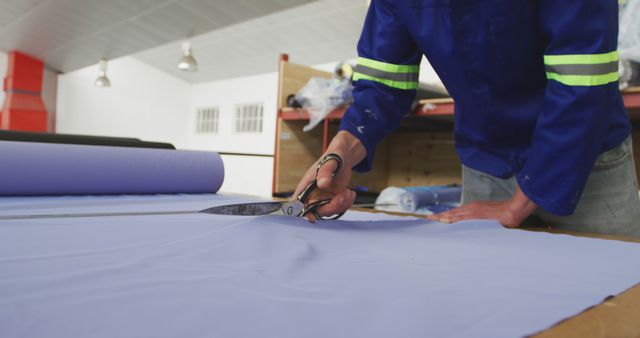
103, 80
187, 63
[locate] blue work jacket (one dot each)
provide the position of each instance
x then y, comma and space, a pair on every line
535, 85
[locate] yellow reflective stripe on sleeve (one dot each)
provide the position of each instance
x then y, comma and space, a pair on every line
391, 83
395, 76
388, 67
402, 77
584, 59
582, 69
584, 80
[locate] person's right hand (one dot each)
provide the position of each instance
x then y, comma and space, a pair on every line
331, 187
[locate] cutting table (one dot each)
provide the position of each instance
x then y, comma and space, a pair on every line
366, 275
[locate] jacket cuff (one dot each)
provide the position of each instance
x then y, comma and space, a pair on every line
367, 163
553, 207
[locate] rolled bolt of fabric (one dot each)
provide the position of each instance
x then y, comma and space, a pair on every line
64, 169
424, 199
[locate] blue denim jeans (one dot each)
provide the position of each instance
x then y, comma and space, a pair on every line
609, 202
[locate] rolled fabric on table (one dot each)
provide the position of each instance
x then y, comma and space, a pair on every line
62, 169
420, 200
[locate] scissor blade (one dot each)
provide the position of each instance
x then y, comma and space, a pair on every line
245, 209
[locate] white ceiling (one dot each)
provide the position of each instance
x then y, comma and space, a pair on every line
318, 32
71, 34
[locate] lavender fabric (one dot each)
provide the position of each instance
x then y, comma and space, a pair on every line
367, 275
62, 169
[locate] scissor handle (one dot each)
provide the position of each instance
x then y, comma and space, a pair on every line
328, 157
313, 208
304, 195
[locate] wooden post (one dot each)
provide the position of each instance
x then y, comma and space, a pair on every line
283, 58
325, 134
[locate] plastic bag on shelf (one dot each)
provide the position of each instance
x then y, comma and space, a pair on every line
629, 33
320, 96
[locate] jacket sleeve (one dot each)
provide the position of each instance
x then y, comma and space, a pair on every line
386, 78
581, 96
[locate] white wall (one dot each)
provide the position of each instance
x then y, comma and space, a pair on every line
249, 175
4, 59
49, 96
227, 94
331, 66
428, 74
142, 102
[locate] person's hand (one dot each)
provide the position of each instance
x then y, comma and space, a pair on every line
331, 187
510, 213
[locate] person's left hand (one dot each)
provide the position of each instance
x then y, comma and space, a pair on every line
479, 210
510, 213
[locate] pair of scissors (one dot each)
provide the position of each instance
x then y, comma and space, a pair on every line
299, 207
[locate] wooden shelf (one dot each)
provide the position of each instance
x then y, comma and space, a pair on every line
437, 107
631, 98
300, 114
430, 107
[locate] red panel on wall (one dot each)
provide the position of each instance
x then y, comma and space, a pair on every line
23, 107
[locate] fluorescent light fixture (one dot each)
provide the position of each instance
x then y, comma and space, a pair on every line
187, 63
103, 80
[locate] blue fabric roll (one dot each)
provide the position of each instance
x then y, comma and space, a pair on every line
430, 196
62, 169
422, 200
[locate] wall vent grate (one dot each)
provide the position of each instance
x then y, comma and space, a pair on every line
207, 120
249, 118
